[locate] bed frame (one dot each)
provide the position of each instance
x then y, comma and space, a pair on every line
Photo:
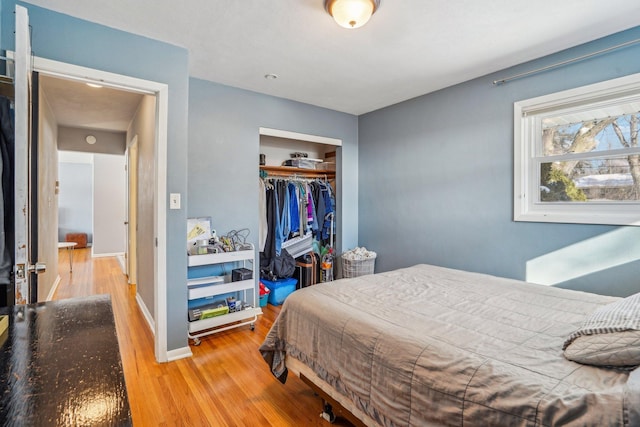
334, 404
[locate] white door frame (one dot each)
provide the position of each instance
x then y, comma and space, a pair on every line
161, 91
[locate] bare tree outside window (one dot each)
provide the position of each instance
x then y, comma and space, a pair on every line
612, 178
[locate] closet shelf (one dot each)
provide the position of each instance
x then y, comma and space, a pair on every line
219, 258
303, 173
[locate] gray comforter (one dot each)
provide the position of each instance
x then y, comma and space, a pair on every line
427, 345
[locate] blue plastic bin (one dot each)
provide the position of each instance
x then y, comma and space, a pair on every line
280, 289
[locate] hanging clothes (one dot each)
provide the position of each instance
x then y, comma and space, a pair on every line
324, 208
269, 251
302, 207
295, 209
319, 205
284, 215
7, 148
263, 227
329, 210
311, 211
279, 193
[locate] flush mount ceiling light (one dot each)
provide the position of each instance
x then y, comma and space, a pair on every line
90, 139
351, 13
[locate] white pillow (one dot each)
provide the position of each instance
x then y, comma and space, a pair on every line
608, 337
611, 349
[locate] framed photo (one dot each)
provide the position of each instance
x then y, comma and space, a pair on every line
198, 229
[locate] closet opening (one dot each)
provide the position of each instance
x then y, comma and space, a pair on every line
299, 206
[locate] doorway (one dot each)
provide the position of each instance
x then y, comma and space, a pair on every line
153, 301
92, 201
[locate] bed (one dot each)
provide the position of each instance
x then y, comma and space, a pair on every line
428, 345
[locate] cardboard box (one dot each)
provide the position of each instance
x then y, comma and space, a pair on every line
326, 166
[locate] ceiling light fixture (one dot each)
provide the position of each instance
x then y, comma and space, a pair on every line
351, 13
94, 85
91, 139
270, 76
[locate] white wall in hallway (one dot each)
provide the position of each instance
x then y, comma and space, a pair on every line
93, 199
75, 199
109, 204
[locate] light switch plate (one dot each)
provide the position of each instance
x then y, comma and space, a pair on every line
174, 201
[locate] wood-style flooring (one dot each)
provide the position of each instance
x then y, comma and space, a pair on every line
225, 383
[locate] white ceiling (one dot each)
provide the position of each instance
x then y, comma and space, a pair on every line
77, 105
408, 48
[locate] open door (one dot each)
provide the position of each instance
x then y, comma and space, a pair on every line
131, 222
26, 246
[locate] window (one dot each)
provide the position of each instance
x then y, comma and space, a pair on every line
577, 155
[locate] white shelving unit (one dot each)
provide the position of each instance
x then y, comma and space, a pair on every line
219, 285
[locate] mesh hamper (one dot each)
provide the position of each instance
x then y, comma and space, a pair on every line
355, 268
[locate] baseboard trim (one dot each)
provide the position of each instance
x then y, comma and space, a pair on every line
54, 288
179, 353
120, 258
94, 255
146, 313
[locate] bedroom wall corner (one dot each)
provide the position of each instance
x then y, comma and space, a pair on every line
446, 196
224, 153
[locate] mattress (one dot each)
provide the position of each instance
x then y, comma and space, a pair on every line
428, 345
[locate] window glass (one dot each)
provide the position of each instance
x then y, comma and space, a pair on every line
577, 155
609, 178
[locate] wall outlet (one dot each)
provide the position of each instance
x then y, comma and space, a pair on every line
174, 201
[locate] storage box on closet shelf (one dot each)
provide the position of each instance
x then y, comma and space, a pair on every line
326, 166
358, 262
302, 163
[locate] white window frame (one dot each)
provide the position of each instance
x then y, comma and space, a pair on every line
528, 116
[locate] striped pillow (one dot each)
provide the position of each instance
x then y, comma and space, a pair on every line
609, 336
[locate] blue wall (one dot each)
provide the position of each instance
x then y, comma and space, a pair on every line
224, 148
436, 183
63, 38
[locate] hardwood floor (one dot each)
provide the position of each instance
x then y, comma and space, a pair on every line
225, 383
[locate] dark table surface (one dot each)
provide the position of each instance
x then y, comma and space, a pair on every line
60, 365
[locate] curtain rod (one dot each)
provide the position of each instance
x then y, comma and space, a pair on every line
568, 61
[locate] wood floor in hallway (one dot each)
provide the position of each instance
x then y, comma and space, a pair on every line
225, 383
